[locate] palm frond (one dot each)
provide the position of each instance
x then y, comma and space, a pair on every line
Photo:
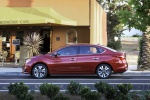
33, 43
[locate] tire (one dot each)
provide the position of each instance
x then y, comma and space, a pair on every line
39, 71
103, 71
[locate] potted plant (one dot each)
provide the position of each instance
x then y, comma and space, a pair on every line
33, 43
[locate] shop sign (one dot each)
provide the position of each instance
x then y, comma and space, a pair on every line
3, 38
16, 42
15, 22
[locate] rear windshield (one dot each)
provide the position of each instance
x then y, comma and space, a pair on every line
109, 49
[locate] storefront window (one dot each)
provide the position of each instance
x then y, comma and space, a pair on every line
19, 36
5, 40
71, 36
5, 36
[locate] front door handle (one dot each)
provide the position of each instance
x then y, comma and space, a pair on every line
95, 58
72, 59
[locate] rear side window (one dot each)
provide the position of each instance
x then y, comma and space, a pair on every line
88, 50
100, 50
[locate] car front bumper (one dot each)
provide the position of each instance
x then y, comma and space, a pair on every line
26, 69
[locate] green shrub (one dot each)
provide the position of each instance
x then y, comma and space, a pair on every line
136, 35
20, 90
43, 88
49, 90
26, 97
106, 89
83, 91
114, 45
92, 95
101, 87
140, 95
121, 96
74, 88
146, 94
124, 88
111, 93
60, 96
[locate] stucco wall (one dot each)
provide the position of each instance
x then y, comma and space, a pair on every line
83, 35
104, 27
73, 9
98, 34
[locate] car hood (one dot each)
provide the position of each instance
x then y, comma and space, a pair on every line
41, 56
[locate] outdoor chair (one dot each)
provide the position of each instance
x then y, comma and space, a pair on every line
17, 56
3, 57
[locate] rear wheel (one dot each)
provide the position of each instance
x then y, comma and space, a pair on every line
103, 71
39, 71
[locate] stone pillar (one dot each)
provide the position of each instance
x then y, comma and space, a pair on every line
51, 36
23, 55
12, 47
0, 43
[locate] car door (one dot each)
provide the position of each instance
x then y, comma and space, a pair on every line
65, 61
88, 59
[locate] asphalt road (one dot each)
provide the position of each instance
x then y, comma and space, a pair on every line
138, 82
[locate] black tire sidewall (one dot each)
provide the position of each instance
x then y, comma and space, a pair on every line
46, 71
103, 65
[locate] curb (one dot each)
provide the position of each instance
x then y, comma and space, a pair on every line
133, 73
11, 74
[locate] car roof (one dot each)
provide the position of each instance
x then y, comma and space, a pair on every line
83, 44
86, 44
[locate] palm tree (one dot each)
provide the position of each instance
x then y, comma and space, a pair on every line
144, 56
33, 43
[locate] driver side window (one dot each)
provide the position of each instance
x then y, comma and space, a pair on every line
67, 51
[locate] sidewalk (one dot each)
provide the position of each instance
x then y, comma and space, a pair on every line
17, 70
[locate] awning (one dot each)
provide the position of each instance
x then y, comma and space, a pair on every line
32, 15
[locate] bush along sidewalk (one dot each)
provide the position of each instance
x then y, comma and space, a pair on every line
104, 92
20, 90
110, 93
52, 92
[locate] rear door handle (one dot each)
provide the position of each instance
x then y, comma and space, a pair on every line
72, 59
95, 58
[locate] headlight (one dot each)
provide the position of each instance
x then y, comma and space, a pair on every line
28, 60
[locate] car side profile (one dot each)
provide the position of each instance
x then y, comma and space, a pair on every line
77, 59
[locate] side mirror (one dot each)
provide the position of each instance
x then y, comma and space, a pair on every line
55, 54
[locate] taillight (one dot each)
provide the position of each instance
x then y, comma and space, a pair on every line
122, 58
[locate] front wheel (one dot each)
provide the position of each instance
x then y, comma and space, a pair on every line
39, 71
103, 71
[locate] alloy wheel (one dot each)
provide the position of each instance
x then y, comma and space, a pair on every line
39, 71
104, 71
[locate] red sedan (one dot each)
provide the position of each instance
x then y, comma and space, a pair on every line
77, 59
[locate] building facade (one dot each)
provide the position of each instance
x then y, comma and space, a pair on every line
62, 21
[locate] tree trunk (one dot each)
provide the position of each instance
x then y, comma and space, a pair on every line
145, 58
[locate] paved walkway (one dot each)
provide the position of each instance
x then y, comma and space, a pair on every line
12, 69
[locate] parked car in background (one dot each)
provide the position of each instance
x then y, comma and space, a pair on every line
77, 59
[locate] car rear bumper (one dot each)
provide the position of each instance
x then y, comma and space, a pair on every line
121, 68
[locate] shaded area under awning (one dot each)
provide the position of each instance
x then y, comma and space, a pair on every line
32, 15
